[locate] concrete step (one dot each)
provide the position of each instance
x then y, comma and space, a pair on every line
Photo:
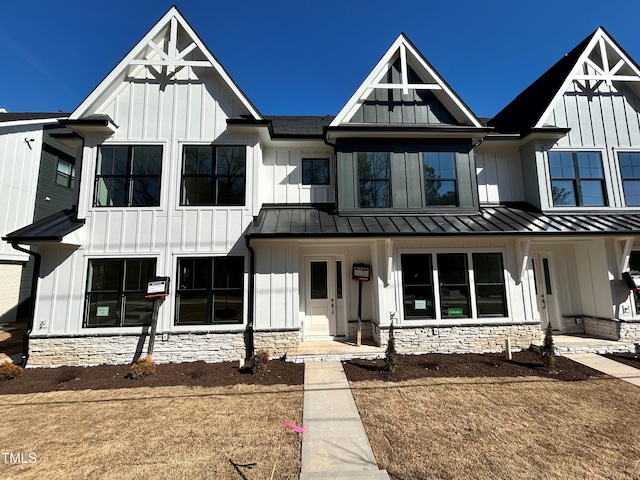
355, 475
331, 357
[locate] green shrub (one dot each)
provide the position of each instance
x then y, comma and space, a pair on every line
548, 349
390, 354
142, 368
9, 371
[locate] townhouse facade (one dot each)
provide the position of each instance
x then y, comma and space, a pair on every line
469, 231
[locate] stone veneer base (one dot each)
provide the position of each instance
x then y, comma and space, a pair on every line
180, 347
459, 338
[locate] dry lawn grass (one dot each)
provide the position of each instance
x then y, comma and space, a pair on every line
504, 428
153, 433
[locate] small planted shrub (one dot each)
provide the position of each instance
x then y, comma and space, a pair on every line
142, 368
390, 354
259, 361
548, 349
9, 371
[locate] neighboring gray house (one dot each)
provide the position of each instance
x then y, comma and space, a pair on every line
472, 232
37, 171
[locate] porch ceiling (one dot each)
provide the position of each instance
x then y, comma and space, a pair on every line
321, 221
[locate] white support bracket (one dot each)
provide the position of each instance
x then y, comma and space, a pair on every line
522, 252
389, 251
623, 250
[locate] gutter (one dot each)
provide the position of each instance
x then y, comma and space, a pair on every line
249, 341
37, 259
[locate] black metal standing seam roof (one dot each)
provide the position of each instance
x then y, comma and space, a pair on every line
53, 227
525, 110
287, 221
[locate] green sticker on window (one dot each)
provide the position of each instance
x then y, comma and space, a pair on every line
455, 311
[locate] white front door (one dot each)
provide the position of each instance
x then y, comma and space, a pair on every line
320, 301
545, 290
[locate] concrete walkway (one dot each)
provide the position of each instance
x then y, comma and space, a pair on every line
335, 445
605, 365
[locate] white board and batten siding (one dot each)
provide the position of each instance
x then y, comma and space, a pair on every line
499, 173
607, 121
280, 177
18, 182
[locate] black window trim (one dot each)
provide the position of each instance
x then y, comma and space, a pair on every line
213, 175
129, 176
121, 290
435, 278
576, 180
315, 158
210, 325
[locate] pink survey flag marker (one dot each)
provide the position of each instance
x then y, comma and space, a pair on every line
295, 428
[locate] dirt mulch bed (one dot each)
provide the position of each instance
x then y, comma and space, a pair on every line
524, 363
191, 374
631, 359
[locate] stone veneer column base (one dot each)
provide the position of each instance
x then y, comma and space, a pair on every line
180, 347
459, 338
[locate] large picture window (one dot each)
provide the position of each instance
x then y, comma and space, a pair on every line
630, 172
128, 176
116, 290
374, 180
210, 291
577, 179
213, 175
440, 178
454, 287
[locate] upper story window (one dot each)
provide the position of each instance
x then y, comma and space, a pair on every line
65, 173
577, 179
374, 179
315, 171
213, 175
128, 176
116, 290
630, 172
440, 178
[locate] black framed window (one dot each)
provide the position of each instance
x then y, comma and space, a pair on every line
116, 290
417, 286
65, 173
453, 274
374, 179
213, 175
630, 173
440, 180
490, 289
315, 171
577, 179
210, 291
128, 176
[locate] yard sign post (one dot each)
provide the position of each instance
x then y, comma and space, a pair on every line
360, 273
157, 290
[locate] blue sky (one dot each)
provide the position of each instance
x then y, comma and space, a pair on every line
303, 58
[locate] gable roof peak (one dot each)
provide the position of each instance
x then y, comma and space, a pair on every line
597, 59
170, 45
402, 50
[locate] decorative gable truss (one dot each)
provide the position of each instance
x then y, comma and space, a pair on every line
170, 51
404, 88
601, 66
